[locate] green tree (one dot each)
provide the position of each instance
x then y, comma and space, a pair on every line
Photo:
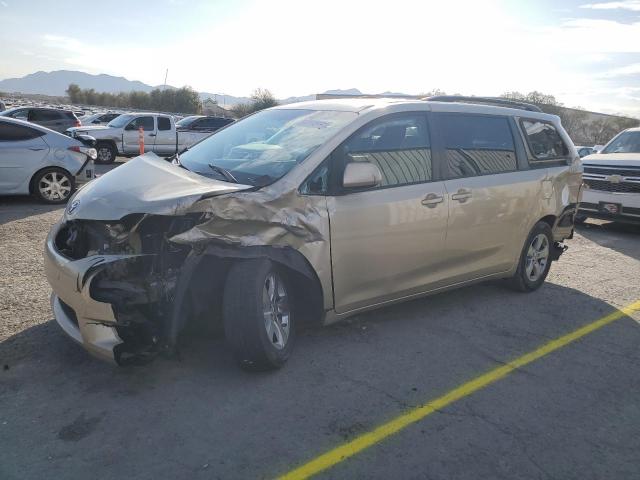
434, 92
182, 100
74, 93
261, 98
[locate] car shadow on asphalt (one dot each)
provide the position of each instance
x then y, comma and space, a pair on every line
480, 315
621, 237
19, 207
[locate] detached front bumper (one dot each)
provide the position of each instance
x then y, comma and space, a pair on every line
85, 174
87, 321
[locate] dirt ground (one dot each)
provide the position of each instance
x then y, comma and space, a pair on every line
572, 414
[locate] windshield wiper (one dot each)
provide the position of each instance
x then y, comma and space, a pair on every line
224, 172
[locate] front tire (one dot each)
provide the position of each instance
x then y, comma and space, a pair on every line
535, 259
258, 314
107, 153
53, 185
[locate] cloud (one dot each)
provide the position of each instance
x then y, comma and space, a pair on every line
633, 5
3, 3
631, 69
290, 52
62, 43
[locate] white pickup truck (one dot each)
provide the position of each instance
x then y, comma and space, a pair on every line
612, 180
120, 137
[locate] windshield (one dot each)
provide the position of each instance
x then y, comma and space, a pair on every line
263, 147
120, 121
626, 142
186, 121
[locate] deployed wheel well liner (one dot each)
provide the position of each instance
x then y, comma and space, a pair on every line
549, 220
205, 272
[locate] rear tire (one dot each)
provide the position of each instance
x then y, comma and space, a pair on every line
107, 153
535, 259
258, 317
53, 185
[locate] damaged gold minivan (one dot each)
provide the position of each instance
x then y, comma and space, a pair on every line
309, 213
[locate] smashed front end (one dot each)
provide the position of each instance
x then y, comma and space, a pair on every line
126, 283
115, 282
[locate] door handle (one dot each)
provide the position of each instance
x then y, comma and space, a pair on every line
36, 149
461, 195
152, 134
432, 199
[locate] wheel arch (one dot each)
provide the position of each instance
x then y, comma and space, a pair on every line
204, 274
549, 220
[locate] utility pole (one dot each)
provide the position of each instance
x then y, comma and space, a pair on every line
165, 79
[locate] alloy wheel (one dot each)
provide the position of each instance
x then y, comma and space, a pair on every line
104, 154
277, 312
54, 186
537, 257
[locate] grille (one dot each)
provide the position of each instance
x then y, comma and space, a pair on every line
605, 186
624, 171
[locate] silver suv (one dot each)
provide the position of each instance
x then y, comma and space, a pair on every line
310, 213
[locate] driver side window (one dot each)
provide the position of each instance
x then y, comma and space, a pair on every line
145, 122
398, 145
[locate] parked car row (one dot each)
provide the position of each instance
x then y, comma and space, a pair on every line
120, 137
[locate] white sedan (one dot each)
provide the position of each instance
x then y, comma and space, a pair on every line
38, 161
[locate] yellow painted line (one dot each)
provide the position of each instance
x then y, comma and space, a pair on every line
366, 440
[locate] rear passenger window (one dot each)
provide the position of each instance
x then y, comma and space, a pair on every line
20, 114
544, 141
44, 115
203, 124
477, 144
13, 133
164, 123
398, 146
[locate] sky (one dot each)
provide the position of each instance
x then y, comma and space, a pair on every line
586, 54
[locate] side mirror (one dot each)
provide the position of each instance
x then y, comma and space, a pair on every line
131, 126
361, 175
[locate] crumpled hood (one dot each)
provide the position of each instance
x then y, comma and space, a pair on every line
145, 184
620, 159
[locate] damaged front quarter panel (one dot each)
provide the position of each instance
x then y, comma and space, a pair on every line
277, 223
169, 267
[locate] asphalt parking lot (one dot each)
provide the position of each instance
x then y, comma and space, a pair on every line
573, 413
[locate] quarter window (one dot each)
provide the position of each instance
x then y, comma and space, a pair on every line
477, 145
13, 133
544, 141
398, 146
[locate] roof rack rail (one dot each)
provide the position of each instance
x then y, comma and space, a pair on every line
500, 102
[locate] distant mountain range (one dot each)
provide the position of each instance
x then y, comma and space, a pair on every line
55, 84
